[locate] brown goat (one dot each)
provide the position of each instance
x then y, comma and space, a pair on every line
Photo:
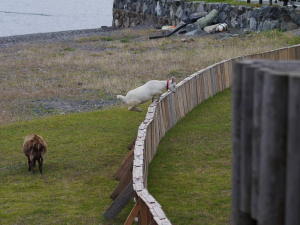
35, 149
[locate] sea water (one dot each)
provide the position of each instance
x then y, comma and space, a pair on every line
19, 17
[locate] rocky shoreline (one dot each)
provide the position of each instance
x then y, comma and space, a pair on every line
54, 36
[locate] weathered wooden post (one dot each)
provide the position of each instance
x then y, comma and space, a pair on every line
292, 215
273, 146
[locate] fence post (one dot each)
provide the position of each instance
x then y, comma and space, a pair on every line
273, 154
292, 216
256, 139
246, 137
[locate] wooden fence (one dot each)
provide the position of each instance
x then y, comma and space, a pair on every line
160, 118
266, 143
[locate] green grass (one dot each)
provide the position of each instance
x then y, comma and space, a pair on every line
84, 151
190, 176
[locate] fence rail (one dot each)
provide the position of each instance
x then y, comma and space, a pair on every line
163, 115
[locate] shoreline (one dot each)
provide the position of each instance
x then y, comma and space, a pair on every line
53, 36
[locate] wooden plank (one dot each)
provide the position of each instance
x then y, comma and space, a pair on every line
143, 212
161, 122
130, 146
160, 213
297, 52
202, 86
125, 165
207, 85
292, 215
188, 95
292, 53
164, 116
237, 216
125, 180
172, 112
133, 214
217, 77
246, 136
273, 157
180, 111
213, 81
129, 154
198, 87
256, 136
119, 204
223, 73
227, 73
184, 99
193, 92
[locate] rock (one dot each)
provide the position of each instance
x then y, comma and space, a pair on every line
222, 17
191, 33
172, 12
253, 23
234, 23
226, 7
179, 12
138, 6
127, 22
287, 26
200, 9
198, 32
145, 8
117, 23
158, 9
205, 21
191, 27
295, 16
270, 25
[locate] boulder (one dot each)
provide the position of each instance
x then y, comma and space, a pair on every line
145, 8
158, 9
179, 12
191, 27
270, 25
200, 9
253, 23
287, 26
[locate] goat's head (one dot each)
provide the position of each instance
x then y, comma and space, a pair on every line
172, 85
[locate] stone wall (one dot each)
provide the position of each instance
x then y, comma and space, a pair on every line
128, 13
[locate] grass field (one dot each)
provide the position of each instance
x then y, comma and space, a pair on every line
84, 151
190, 175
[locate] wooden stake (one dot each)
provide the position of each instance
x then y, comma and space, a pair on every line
134, 212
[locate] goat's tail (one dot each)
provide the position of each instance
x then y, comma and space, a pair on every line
120, 97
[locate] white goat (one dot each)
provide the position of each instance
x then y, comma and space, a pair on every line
149, 90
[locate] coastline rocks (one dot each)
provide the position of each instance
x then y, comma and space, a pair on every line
171, 12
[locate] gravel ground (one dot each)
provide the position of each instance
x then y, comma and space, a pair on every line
54, 36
